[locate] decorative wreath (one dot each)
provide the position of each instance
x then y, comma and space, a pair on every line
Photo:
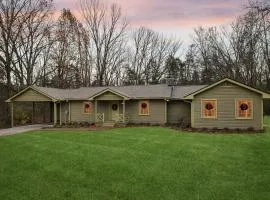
243, 106
209, 106
144, 105
114, 107
87, 106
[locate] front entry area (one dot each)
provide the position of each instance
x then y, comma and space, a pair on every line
110, 107
110, 110
114, 110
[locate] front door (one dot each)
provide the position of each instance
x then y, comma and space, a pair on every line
114, 108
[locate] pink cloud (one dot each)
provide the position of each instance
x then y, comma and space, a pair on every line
173, 15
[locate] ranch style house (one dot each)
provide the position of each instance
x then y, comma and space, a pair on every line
224, 104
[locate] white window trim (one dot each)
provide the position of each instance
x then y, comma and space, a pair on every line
91, 105
202, 109
148, 104
236, 108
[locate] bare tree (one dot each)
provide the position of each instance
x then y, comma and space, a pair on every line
32, 41
12, 18
70, 59
148, 54
107, 30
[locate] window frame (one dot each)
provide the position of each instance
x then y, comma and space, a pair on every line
237, 109
203, 107
91, 108
148, 105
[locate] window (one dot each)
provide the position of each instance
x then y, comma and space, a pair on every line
87, 108
209, 108
244, 109
144, 108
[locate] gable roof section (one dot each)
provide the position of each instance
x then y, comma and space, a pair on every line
36, 89
191, 95
161, 91
179, 92
114, 91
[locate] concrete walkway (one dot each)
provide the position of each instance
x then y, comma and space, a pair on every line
22, 129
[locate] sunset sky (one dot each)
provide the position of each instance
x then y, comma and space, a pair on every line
173, 17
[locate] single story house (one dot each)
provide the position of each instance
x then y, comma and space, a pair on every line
224, 104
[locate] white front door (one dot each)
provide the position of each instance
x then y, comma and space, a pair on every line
115, 110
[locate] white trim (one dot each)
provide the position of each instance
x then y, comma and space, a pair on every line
139, 107
202, 109
191, 96
83, 108
33, 88
124, 96
236, 108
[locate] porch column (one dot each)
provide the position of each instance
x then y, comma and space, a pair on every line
51, 112
124, 111
12, 115
55, 113
95, 111
60, 114
33, 112
166, 111
69, 113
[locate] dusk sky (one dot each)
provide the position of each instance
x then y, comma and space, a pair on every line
174, 17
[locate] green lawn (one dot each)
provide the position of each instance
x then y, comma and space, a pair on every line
134, 163
267, 121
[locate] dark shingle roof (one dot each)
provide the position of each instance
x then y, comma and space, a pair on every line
160, 91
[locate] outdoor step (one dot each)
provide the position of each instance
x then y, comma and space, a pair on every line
108, 124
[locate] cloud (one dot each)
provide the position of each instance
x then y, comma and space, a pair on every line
164, 15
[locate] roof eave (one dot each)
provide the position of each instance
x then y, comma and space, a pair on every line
191, 96
33, 88
124, 96
266, 96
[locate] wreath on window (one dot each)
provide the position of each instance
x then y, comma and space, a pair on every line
144, 105
114, 107
243, 106
209, 106
87, 106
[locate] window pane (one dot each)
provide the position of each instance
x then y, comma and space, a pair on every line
209, 108
144, 108
244, 109
87, 108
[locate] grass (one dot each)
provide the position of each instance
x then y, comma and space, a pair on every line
134, 163
267, 121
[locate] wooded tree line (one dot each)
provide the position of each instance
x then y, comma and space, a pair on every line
102, 49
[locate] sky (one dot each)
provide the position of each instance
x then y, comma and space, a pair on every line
173, 17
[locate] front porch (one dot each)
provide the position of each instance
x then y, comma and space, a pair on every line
110, 112
110, 107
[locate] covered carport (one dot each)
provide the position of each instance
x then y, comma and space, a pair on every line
36, 107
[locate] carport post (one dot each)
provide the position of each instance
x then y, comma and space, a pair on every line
96, 111
33, 112
60, 113
55, 113
12, 114
166, 111
69, 113
124, 111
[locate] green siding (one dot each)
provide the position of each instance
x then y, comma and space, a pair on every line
157, 112
178, 111
76, 110
77, 114
106, 108
31, 95
226, 94
103, 107
109, 96
64, 112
